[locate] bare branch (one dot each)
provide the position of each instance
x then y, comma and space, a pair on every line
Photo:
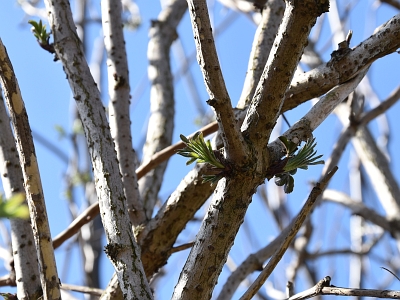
265, 108
314, 291
394, 3
161, 122
182, 247
324, 288
121, 248
207, 57
119, 103
343, 66
33, 185
262, 44
381, 108
360, 209
82, 289
376, 166
305, 211
27, 275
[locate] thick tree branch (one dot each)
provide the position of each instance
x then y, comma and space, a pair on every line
121, 248
161, 122
265, 108
119, 103
262, 44
344, 65
215, 237
27, 275
235, 149
33, 186
161, 232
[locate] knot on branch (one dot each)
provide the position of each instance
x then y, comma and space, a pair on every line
343, 50
317, 7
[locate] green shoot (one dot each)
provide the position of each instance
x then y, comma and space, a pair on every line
305, 157
40, 33
14, 207
197, 149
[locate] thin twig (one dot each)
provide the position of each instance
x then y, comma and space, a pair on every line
305, 211
324, 288
181, 247
82, 289
381, 108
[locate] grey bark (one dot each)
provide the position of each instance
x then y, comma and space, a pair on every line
27, 275
263, 40
33, 186
234, 191
162, 102
122, 249
119, 103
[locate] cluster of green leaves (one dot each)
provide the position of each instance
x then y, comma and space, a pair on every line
197, 149
40, 33
14, 207
305, 157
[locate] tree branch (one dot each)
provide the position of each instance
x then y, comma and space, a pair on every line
376, 166
121, 248
381, 108
33, 186
119, 103
262, 44
235, 148
24, 253
359, 209
215, 237
302, 130
265, 108
343, 66
160, 127
323, 287
305, 211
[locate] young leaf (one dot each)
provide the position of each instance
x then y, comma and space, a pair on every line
197, 149
305, 157
14, 207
